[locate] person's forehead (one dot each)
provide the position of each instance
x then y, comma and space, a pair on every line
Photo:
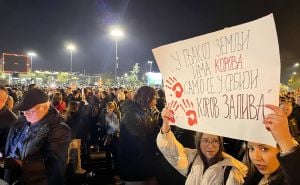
253, 144
37, 106
209, 136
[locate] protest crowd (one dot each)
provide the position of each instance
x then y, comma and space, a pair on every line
53, 136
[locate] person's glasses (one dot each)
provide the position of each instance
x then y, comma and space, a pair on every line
206, 142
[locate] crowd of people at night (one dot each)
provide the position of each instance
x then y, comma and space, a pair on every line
44, 133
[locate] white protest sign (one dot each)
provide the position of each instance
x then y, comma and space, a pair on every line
218, 83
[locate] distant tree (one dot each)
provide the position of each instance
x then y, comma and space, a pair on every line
294, 81
63, 77
41, 75
133, 78
107, 79
26, 75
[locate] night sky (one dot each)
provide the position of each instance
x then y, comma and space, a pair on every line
46, 25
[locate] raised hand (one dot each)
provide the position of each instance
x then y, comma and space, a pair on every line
175, 86
173, 106
277, 124
166, 115
188, 107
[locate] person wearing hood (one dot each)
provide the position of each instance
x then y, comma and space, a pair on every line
37, 144
205, 165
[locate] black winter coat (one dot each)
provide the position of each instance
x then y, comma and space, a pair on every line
44, 155
7, 118
291, 165
138, 150
277, 178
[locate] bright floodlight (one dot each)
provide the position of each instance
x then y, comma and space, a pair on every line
71, 47
117, 32
32, 54
294, 73
296, 64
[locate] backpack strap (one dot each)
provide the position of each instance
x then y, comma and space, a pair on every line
191, 164
226, 173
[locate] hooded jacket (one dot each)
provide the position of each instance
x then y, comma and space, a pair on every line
181, 158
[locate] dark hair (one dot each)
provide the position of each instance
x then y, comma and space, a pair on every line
31, 86
73, 106
217, 158
75, 92
143, 96
56, 99
111, 105
161, 93
105, 94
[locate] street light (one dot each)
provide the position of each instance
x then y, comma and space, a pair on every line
31, 54
116, 33
150, 62
296, 64
71, 48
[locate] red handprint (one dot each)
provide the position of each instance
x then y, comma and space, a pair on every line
172, 107
175, 86
192, 116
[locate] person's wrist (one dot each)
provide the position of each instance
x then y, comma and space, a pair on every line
287, 144
289, 148
165, 129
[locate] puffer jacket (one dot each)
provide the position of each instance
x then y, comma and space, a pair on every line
181, 158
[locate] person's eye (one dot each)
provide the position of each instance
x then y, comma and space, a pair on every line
204, 141
264, 149
215, 141
251, 149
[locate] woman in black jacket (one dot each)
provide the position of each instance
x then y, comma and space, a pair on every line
138, 131
74, 122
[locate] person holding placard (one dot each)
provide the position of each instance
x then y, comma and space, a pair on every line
270, 165
206, 165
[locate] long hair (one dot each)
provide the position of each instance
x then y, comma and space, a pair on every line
143, 96
217, 158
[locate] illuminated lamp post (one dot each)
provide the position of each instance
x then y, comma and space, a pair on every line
116, 33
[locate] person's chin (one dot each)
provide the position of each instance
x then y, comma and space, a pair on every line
262, 169
210, 155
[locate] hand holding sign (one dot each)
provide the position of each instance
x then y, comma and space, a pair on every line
173, 106
277, 124
166, 115
190, 112
175, 86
